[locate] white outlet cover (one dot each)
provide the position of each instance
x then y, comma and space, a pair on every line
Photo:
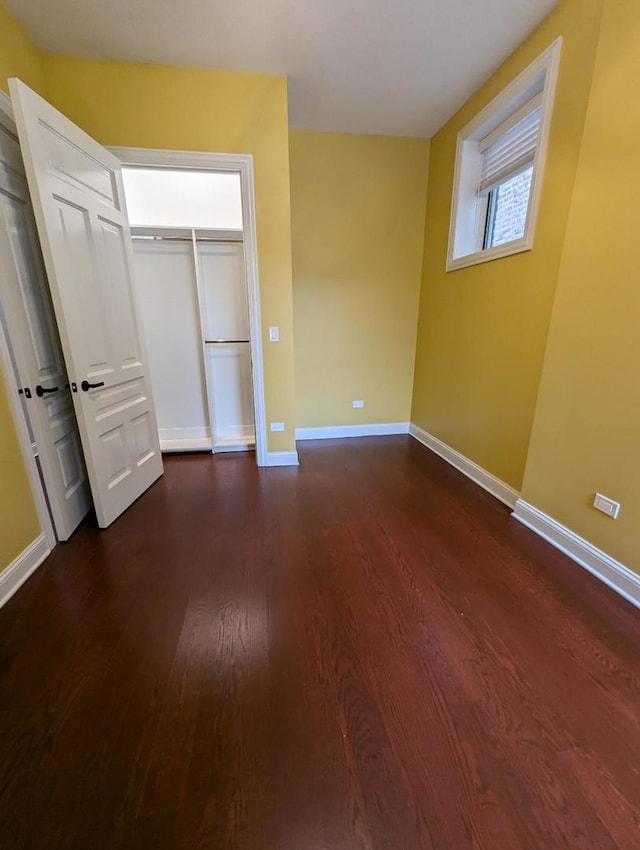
277, 426
606, 505
358, 404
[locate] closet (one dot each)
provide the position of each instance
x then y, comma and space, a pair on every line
192, 296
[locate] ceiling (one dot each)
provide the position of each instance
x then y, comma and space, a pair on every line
398, 67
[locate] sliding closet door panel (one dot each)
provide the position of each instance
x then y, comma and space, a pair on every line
225, 325
224, 291
231, 394
168, 298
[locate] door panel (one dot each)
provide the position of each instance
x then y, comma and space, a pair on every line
78, 198
231, 397
223, 290
31, 328
166, 288
225, 317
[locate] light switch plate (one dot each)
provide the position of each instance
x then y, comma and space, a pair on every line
274, 334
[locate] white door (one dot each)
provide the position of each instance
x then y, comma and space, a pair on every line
30, 326
78, 198
225, 327
168, 298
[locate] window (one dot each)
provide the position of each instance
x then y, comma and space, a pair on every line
183, 197
499, 168
507, 210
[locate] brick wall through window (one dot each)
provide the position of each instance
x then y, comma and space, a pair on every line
511, 208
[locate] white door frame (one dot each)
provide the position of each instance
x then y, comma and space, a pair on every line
17, 412
242, 164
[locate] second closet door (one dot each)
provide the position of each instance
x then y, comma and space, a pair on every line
225, 325
167, 293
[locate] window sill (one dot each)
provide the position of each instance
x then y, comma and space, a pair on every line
497, 253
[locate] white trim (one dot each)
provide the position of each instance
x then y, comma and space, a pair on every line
498, 488
192, 440
282, 459
234, 446
333, 432
518, 246
184, 439
19, 570
185, 445
546, 65
605, 568
17, 413
242, 164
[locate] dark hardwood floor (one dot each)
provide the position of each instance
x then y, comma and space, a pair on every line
364, 653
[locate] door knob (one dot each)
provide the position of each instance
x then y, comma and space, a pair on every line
85, 386
40, 391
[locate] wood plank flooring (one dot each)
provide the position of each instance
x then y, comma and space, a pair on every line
366, 653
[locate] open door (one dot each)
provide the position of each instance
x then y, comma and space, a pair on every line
78, 199
35, 347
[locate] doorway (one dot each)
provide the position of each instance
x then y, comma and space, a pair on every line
221, 267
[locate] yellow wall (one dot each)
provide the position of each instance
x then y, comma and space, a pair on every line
156, 106
586, 435
357, 205
19, 524
18, 55
482, 330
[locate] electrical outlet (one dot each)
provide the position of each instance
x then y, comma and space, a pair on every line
358, 404
607, 506
277, 426
274, 334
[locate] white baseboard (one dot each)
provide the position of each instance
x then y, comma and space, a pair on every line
185, 445
502, 491
235, 447
282, 459
27, 562
620, 578
334, 432
184, 439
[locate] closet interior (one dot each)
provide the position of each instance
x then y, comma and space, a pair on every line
191, 288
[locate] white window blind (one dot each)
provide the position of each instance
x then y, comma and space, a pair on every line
510, 149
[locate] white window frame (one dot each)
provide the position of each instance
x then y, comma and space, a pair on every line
468, 209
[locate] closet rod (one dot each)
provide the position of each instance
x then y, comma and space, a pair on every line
184, 239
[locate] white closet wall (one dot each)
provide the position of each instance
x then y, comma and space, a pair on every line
168, 300
225, 324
